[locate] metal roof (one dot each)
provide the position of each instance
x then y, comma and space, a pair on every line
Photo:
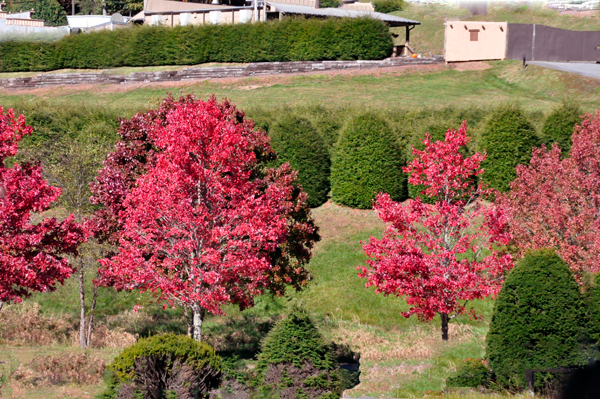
391, 20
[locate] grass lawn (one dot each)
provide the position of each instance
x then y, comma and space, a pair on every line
439, 86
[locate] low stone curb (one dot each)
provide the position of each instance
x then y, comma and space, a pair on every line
253, 69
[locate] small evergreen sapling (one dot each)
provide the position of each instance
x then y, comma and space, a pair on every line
295, 360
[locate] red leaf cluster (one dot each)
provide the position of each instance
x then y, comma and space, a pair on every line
439, 254
555, 203
31, 255
203, 222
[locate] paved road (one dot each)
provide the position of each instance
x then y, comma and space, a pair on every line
588, 69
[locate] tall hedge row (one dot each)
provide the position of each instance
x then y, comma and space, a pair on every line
540, 321
366, 160
292, 39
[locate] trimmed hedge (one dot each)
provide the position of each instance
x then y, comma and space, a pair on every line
292, 39
365, 162
296, 140
295, 360
539, 321
508, 139
559, 125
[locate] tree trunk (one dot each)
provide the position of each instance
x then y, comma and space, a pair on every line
1, 304
91, 321
198, 318
82, 341
445, 319
188, 321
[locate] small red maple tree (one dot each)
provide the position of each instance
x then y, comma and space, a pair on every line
31, 255
437, 255
555, 202
202, 225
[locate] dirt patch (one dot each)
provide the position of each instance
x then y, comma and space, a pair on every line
338, 222
470, 66
244, 83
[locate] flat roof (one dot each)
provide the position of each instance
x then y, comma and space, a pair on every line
391, 20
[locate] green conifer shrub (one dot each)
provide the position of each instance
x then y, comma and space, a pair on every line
366, 160
387, 6
539, 321
559, 125
508, 139
592, 297
297, 141
164, 365
296, 362
470, 373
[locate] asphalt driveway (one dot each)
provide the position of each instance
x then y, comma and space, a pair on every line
588, 69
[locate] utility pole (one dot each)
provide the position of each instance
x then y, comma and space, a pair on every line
72, 7
255, 15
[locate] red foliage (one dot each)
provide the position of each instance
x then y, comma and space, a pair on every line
30, 254
206, 224
437, 255
555, 202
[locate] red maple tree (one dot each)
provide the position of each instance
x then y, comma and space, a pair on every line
437, 255
555, 203
207, 224
31, 255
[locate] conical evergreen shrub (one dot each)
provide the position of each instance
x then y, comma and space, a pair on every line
539, 321
592, 296
508, 139
559, 125
297, 141
366, 160
296, 362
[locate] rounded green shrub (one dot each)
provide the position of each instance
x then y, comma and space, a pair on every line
508, 139
297, 141
539, 321
164, 365
559, 125
387, 6
366, 160
592, 296
295, 360
470, 373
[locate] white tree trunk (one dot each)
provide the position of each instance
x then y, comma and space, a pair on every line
82, 340
198, 318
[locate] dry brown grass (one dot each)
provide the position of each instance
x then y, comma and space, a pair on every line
76, 368
418, 342
23, 324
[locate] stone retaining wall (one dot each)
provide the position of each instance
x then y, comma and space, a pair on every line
254, 69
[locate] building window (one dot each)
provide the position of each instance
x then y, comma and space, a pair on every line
474, 34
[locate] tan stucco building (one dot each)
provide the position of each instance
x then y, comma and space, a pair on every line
475, 41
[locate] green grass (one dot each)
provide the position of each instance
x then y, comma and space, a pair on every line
537, 89
117, 71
